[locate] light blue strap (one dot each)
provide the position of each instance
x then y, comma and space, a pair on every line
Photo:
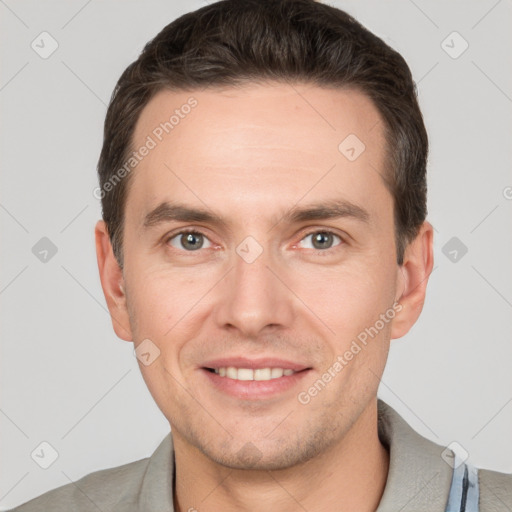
464, 492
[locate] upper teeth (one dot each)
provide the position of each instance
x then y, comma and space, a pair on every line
249, 374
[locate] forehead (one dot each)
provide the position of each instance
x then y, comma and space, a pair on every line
257, 145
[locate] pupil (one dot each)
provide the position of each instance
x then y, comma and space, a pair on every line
192, 241
322, 240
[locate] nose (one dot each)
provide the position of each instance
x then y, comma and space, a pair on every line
253, 298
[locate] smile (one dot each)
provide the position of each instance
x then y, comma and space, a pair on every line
231, 372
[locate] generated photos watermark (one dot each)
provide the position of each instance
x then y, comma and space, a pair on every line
357, 345
157, 135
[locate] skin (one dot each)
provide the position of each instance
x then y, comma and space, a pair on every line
250, 155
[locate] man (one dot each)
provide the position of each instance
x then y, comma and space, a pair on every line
263, 183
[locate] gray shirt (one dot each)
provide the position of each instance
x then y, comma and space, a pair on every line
419, 479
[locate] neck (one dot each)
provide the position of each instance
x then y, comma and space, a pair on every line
349, 476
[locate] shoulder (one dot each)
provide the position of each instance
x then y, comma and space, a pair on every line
495, 491
415, 460
140, 485
109, 489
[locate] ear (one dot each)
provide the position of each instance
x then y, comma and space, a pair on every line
112, 282
412, 280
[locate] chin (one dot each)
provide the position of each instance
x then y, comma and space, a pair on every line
250, 457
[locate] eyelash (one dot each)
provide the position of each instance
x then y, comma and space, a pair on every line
184, 232
324, 231
329, 250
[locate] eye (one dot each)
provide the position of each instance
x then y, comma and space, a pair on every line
320, 240
189, 240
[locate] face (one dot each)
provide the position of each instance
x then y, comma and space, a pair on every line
257, 251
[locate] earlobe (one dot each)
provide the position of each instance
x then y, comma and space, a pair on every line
112, 282
412, 283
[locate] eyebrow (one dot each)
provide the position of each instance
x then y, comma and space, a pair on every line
167, 212
327, 210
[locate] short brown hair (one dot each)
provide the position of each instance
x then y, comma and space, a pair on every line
233, 42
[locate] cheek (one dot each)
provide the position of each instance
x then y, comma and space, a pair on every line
163, 307
161, 299
347, 298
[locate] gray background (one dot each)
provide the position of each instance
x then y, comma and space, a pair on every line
67, 380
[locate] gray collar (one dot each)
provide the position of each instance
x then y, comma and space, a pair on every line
418, 478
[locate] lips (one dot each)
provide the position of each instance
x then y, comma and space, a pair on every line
254, 379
